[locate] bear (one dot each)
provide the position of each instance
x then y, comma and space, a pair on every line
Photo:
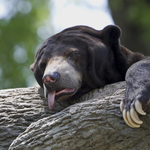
80, 59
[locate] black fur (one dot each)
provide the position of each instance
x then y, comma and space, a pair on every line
102, 60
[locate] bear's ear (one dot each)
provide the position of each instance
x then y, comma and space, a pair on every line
111, 34
32, 66
37, 73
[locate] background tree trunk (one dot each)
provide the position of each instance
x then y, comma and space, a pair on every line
132, 17
94, 124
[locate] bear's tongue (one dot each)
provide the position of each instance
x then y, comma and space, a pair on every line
51, 99
52, 94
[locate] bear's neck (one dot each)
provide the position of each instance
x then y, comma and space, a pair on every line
130, 57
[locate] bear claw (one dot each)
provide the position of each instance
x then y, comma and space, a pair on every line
125, 118
121, 106
134, 116
138, 107
131, 117
45, 91
131, 121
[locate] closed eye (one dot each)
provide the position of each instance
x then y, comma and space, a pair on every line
42, 64
73, 55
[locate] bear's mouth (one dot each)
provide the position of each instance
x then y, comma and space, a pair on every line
59, 93
56, 94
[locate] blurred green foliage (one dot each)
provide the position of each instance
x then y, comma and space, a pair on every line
19, 40
22, 32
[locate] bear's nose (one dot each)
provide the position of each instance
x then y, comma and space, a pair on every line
51, 78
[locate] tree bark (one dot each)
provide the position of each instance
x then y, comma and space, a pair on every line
93, 124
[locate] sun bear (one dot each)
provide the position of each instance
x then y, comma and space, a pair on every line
80, 59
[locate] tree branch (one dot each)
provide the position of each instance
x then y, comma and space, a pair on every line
94, 124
